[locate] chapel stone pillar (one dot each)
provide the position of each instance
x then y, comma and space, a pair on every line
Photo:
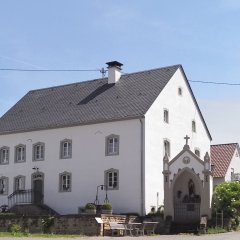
168, 202
207, 188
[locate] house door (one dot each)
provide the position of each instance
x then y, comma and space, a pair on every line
37, 181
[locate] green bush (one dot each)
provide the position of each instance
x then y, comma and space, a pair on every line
226, 198
15, 229
107, 206
47, 222
90, 206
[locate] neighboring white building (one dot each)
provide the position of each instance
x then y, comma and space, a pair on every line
65, 141
226, 161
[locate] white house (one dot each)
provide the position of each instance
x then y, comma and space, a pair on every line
61, 143
226, 161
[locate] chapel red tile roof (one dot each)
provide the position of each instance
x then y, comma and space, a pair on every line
221, 156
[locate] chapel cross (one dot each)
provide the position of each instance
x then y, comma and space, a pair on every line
187, 138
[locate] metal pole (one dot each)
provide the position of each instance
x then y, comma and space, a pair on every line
222, 218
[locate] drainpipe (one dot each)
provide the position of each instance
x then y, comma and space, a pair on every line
142, 125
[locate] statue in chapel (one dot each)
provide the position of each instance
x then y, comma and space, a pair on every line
191, 188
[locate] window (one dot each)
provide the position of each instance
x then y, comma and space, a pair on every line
19, 183
4, 155
20, 153
193, 126
66, 148
3, 186
180, 91
65, 180
165, 116
112, 145
38, 151
112, 179
197, 152
166, 148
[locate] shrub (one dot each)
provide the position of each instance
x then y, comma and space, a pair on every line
226, 198
47, 222
107, 206
15, 229
90, 206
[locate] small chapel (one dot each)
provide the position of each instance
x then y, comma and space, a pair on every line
188, 186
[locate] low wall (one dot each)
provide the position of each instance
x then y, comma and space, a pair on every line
65, 224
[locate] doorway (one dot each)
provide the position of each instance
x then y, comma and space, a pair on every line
37, 186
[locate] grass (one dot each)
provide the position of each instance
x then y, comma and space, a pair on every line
42, 235
216, 230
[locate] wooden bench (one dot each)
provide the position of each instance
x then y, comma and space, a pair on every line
117, 228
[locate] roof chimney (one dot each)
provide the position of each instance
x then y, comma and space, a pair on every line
114, 71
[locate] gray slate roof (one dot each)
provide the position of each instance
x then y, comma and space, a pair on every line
87, 102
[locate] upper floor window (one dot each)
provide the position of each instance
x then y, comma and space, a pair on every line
166, 148
180, 91
65, 182
197, 152
112, 179
19, 183
4, 155
38, 151
112, 145
3, 186
20, 153
165, 116
66, 148
194, 126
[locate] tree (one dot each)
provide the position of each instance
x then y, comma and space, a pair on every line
226, 198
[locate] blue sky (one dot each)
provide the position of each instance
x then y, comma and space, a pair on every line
203, 36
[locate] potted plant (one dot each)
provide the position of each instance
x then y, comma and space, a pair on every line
107, 208
90, 208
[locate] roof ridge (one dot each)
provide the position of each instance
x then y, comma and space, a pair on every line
101, 79
154, 69
223, 144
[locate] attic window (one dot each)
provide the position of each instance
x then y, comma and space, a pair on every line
180, 91
165, 116
193, 126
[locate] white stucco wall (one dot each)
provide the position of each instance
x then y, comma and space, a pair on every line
87, 165
182, 111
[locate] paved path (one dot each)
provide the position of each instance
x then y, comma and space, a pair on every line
222, 236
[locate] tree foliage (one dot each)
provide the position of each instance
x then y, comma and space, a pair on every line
226, 198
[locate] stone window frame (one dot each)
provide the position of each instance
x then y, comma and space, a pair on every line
197, 152
23, 179
115, 182
165, 140
2, 191
166, 115
194, 126
23, 156
42, 145
114, 147
61, 181
4, 148
69, 147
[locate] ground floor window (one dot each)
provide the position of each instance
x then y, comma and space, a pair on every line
3, 186
112, 179
65, 180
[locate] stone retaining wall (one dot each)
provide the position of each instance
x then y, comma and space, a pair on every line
65, 224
